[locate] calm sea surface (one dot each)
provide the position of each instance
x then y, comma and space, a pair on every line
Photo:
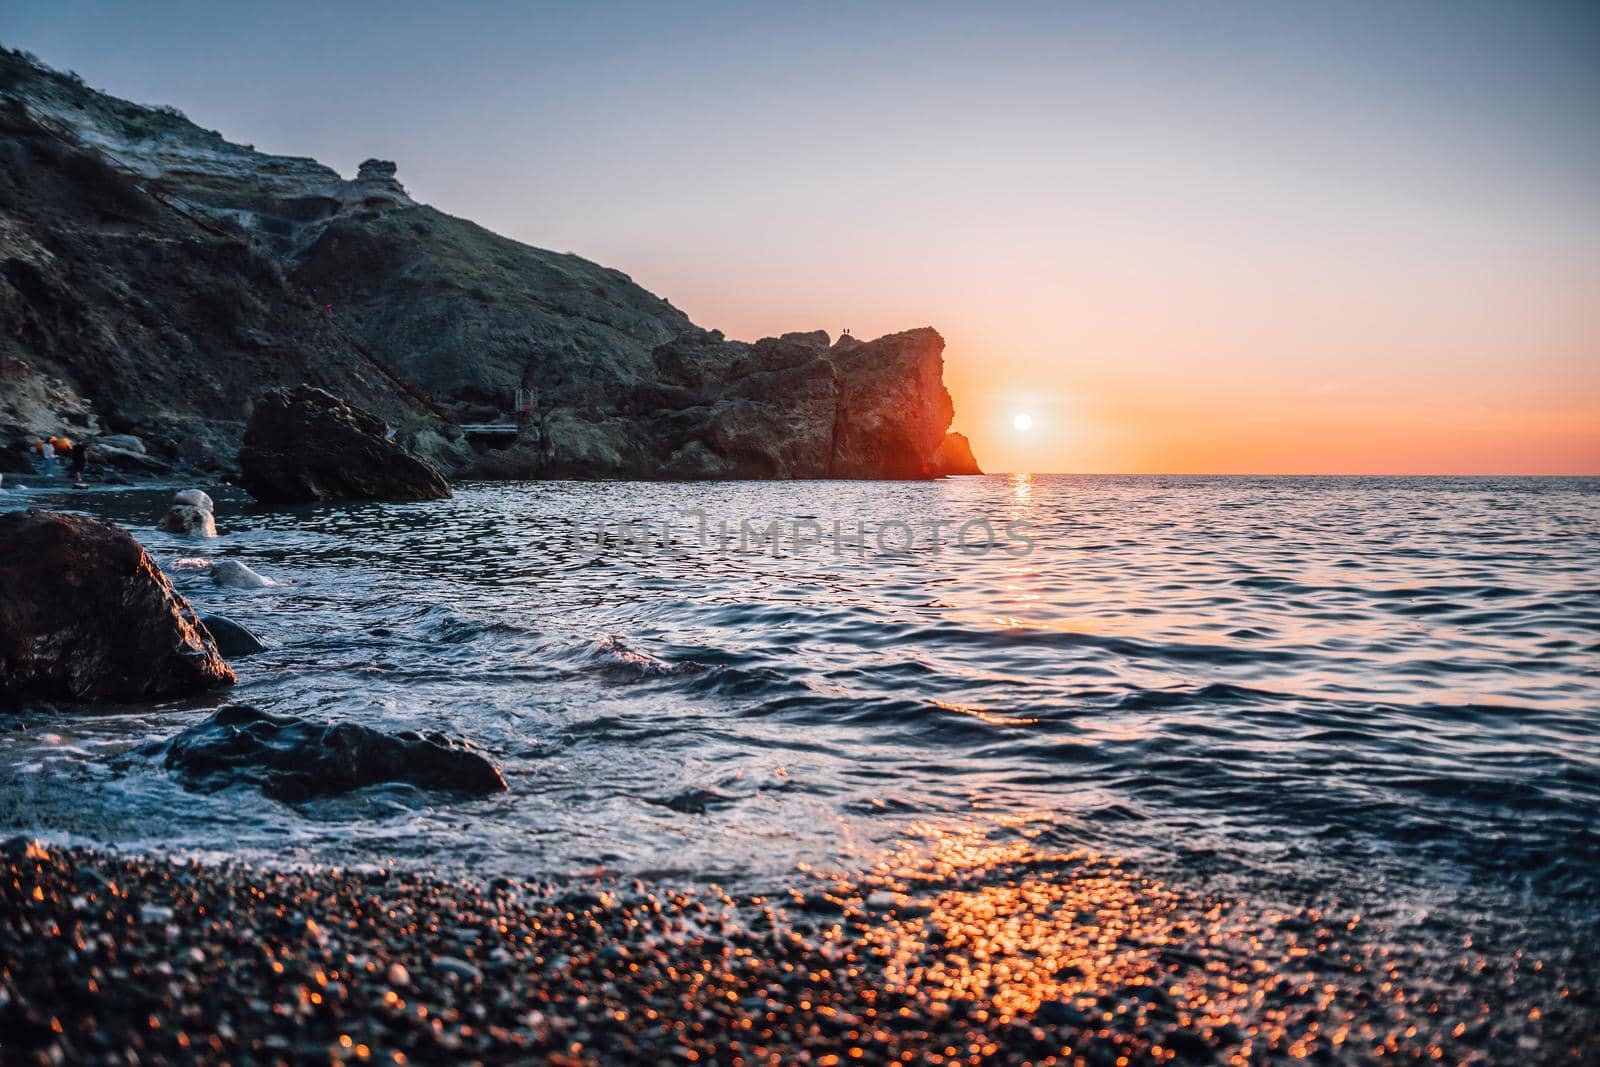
1373, 688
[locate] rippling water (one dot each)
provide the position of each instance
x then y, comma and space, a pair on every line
1366, 684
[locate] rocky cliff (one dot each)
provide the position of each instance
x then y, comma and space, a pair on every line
155, 278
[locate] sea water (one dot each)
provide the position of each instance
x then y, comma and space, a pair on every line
1378, 689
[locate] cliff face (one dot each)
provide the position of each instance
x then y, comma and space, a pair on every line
158, 277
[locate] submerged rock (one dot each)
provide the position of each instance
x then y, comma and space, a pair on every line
85, 614
304, 445
236, 575
294, 759
233, 641
954, 456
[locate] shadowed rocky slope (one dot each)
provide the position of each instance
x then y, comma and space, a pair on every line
156, 278
117, 313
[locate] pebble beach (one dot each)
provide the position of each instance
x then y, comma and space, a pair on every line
967, 954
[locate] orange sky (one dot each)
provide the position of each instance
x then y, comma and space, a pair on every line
1432, 349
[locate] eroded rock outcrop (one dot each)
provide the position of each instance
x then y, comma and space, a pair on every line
954, 456
85, 614
296, 759
305, 444
794, 406
893, 407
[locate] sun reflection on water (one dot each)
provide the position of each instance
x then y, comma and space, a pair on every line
1021, 487
1078, 944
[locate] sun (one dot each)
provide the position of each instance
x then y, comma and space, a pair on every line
1022, 422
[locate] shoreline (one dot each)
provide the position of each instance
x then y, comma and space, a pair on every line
974, 954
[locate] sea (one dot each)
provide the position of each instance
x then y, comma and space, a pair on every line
1383, 693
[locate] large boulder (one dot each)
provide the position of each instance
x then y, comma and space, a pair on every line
296, 759
954, 456
304, 445
85, 614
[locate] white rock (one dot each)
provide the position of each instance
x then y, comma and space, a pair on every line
235, 575
123, 442
195, 498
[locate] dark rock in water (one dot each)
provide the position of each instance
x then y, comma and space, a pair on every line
954, 456
85, 614
304, 444
16, 459
295, 759
233, 640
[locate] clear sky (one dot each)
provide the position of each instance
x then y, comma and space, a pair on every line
1181, 236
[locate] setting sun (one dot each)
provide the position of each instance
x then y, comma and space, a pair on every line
1022, 422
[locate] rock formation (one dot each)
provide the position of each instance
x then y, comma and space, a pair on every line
233, 640
85, 614
126, 453
192, 512
232, 574
188, 519
226, 270
296, 759
305, 445
954, 456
